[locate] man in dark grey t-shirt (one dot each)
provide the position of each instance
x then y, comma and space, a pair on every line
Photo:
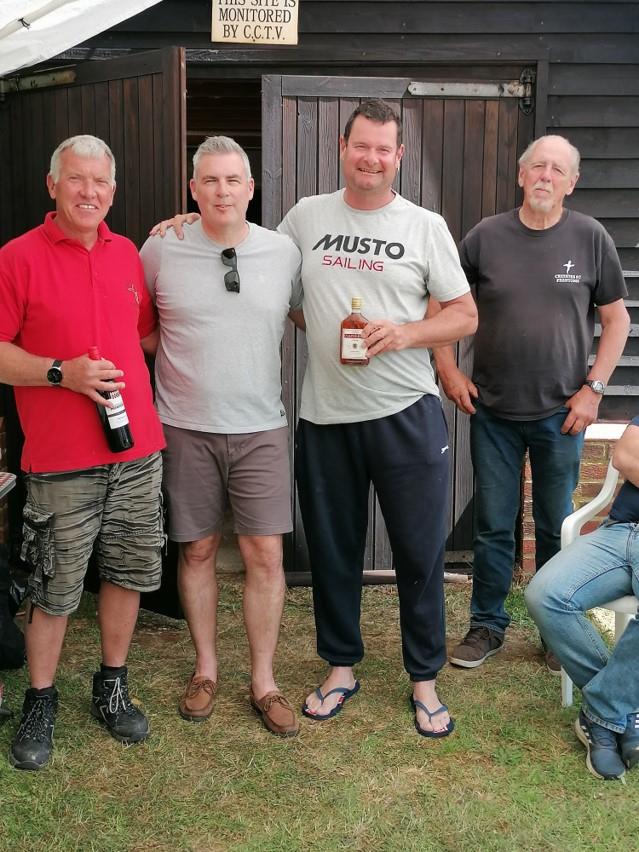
537, 272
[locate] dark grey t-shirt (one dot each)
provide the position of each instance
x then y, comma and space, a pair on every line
536, 292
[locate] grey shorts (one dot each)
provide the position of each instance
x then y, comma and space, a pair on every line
204, 472
117, 507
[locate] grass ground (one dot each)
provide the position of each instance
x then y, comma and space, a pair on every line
512, 776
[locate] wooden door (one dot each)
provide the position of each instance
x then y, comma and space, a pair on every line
460, 161
137, 105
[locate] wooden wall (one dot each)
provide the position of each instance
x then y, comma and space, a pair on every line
592, 85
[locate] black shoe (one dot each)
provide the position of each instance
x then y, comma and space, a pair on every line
603, 759
33, 743
112, 706
629, 741
476, 646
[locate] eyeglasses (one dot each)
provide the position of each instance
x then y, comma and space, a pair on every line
232, 277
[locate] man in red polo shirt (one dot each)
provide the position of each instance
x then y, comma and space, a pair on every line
65, 286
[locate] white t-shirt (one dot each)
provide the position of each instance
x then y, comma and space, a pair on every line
218, 361
393, 258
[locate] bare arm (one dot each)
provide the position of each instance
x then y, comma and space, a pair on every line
456, 319
457, 386
297, 316
149, 343
81, 375
177, 223
584, 405
626, 455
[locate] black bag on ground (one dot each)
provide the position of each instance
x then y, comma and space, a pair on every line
12, 651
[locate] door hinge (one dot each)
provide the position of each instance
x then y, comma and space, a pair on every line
522, 89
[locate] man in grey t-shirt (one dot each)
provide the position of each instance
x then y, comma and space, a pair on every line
223, 294
537, 272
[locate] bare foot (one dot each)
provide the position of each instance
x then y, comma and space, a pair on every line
425, 692
337, 676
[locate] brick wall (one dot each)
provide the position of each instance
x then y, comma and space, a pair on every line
594, 464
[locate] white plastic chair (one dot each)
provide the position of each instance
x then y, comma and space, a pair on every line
624, 608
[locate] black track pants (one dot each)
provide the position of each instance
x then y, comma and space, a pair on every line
406, 457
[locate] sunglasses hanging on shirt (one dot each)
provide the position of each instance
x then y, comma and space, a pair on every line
232, 277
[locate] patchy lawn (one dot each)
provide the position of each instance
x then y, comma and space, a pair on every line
511, 777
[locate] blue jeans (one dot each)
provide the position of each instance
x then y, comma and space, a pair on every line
498, 448
594, 569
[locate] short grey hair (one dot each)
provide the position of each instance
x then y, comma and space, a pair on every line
221, 145
84, 146
574, 152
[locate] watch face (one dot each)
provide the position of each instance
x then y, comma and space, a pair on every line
596, 386
54, 375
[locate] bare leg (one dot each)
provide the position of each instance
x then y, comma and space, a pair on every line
263, 604
117, 614
337, 676
425, 691
44, 635
197, 585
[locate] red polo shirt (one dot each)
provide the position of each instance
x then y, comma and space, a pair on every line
56, 300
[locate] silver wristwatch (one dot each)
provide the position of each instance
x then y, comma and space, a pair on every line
595, 386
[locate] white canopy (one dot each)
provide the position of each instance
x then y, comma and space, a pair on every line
33, 31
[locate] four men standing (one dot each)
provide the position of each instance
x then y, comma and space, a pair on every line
537, 272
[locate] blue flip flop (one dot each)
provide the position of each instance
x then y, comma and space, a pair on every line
345, 695
435, 735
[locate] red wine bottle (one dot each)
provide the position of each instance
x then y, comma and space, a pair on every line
115, 421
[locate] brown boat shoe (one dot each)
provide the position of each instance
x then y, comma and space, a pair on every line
196, 704
277, 713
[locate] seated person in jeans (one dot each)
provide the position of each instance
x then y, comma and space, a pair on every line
596, 568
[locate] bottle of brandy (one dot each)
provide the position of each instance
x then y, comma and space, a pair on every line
115, 421
352, 349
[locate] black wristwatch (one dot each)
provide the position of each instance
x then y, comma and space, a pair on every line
54, 374
595, 386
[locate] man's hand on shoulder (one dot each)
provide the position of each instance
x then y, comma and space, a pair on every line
177, 223
583, 407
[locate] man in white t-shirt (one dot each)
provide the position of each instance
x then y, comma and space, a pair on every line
383, 422
223, 294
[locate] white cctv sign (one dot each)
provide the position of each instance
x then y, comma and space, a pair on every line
255, 21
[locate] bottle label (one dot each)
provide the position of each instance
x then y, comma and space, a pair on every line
353, 346
117, 415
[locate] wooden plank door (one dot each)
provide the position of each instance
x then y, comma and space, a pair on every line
460, 161
137, 105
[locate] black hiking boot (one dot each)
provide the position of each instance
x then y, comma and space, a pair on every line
33, 743
112, 707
